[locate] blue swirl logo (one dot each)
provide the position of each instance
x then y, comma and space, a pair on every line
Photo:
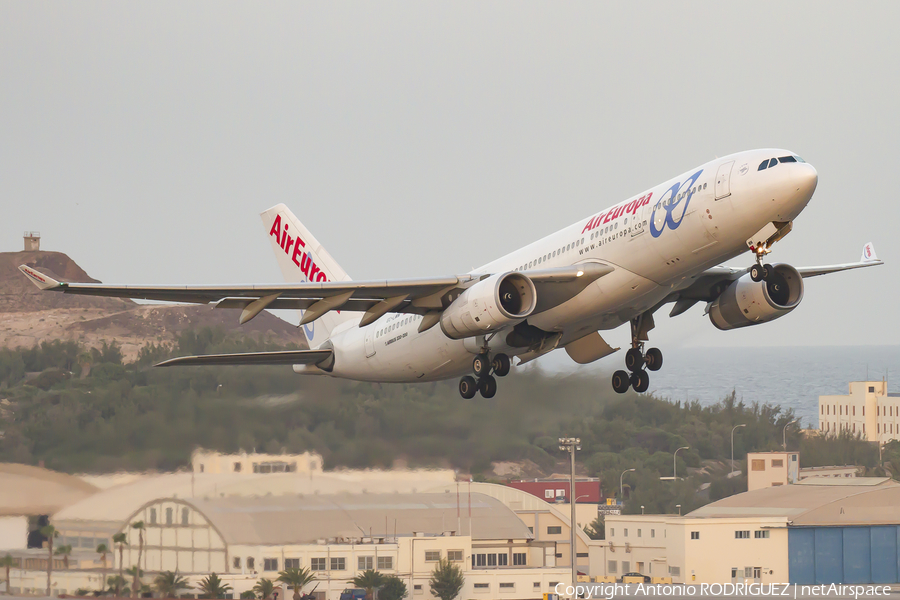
671, 199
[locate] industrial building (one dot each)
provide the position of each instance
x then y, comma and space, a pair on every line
28, 496
819, 530
247, 523
556, 490
243, 539
868, 410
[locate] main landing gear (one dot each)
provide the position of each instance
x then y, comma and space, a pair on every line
484, 365
636, 359
760, 272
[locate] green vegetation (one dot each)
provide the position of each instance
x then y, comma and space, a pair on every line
212, 586
392, 588
295, 579
169, 584
263, 589
87, 410
369, 580
446, 580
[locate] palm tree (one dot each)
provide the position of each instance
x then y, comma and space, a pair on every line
168, 584
49, 532
446, 580
393, 588
119, 540
115, 584
213, 587
264, 588
369, 580
102, 550
296, 579
136, 585
64, 551
7, 561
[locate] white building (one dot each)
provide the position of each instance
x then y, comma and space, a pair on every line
243, 539
766, 469
206, 461
868, 410
819, 530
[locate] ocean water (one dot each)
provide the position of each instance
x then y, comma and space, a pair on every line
790, 377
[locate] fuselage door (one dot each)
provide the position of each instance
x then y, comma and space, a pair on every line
723, 180
370, 342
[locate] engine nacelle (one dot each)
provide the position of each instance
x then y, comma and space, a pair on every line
747, 302
492, 303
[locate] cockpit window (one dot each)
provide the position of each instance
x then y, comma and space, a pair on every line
799, 159
786, 159
773, 162
763, 165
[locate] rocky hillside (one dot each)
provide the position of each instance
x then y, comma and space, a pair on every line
29, 316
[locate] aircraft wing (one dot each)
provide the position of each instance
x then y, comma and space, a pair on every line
375, 298
712, 282
281, 357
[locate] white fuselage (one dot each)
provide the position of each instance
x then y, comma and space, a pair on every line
658, 241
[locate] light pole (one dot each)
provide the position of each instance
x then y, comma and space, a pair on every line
675, 464
732, 447
678, 506
570, 445
642, 509
621, 488
784, 433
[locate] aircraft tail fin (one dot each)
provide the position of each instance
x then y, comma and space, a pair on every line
302, 258
868, 254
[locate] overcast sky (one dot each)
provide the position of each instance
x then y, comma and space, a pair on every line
422, 138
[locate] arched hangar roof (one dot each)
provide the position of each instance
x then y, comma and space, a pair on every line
27, 490
294, 519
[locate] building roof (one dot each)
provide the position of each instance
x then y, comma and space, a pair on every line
116, 504
26, 490
859, 501
278, 520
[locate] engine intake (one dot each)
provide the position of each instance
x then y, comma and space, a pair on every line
747, 302
498, 301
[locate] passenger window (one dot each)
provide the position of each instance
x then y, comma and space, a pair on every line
704, 186
763, 165
773, 162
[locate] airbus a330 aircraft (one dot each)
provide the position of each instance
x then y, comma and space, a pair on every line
617, 266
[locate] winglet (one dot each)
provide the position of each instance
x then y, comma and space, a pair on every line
868, 253
44, 282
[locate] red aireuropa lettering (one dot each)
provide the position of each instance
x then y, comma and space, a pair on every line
297, 247
276, 229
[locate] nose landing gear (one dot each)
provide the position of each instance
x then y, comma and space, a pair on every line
636, 359
483, 365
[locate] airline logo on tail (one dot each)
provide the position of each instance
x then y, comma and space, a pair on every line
295, 248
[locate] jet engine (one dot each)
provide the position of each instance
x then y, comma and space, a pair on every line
747, 302
492, 303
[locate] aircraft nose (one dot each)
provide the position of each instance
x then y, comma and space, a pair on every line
806, 178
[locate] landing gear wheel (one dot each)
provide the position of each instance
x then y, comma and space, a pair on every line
500, 365
654, 359
634, 360
620, 381
768, 272
481, 365
467, 387
487, 385
757, 272
640, 381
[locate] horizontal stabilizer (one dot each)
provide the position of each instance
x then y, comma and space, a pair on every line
282, 357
